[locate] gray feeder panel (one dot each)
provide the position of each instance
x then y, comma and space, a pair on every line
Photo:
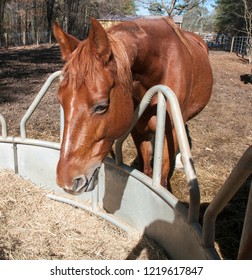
7, 156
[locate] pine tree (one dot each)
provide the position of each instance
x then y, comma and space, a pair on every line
2, 9
229, 16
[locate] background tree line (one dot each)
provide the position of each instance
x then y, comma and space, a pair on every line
232, 16
33, 16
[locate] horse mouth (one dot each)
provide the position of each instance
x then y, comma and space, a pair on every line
83, 184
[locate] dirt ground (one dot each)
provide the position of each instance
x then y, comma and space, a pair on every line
220, 133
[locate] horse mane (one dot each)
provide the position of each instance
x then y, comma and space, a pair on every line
179, 32
81, 64
122, 61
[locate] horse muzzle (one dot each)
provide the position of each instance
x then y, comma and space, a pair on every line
83, 184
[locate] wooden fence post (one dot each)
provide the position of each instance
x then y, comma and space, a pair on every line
250, 50
232, 45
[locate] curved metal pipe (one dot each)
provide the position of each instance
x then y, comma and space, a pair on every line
36, 102
245, 248
185, 151
159, 140
233, 183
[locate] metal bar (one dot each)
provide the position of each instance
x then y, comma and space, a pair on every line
241, 45
240, 173
232, 44
8, 139
95, 199
4, 126
159, 140
35, 102
245, 248
33, 142
192, 182
193, 211
15, 156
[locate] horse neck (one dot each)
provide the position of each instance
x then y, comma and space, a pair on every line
124, 48
140, 50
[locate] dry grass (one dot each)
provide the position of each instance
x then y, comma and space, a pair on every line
34, 227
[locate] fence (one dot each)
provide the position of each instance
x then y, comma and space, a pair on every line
15, 39
237, 44
241, 45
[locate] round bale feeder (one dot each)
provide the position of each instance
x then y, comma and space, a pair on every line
128, 198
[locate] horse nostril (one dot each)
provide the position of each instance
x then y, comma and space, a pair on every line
79, 183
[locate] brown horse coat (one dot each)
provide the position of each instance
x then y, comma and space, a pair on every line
105, 77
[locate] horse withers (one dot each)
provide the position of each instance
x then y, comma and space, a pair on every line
105, 77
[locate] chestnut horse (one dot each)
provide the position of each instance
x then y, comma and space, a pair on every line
104, 79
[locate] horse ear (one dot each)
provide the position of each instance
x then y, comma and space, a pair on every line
67, 42
99, 41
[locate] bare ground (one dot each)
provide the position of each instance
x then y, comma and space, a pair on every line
220, 133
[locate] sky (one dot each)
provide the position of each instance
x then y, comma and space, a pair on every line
143, 12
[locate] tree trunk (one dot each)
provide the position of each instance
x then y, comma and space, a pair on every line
250, 50
248, 25
50, 14
2, 9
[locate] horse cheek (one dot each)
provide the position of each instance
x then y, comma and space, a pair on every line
122, 118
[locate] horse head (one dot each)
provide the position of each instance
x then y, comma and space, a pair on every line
95, 94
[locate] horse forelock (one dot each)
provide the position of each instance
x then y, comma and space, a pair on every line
79, 67
83, 65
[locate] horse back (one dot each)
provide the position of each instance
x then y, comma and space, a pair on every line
198, 40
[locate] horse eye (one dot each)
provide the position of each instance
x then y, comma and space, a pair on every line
101, 108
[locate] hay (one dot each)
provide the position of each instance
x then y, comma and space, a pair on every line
34, 227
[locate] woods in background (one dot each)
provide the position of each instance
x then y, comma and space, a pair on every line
26, 20
30, 21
